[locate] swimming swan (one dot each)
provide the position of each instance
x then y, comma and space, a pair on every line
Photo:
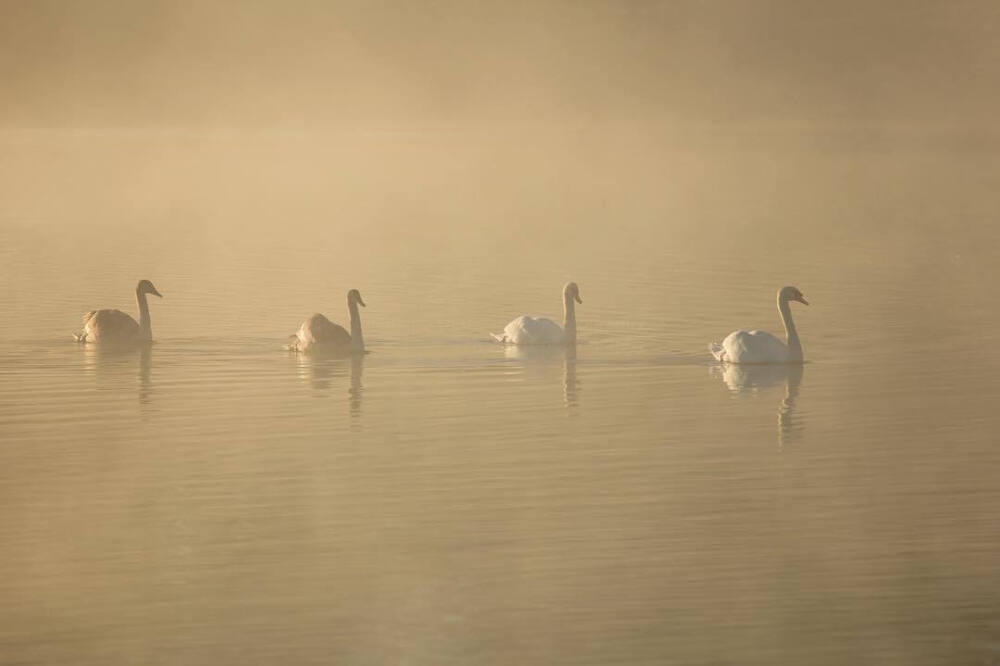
319, 334
117, 327
527, 330
761, 346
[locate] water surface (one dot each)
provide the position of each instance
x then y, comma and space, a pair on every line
442, 500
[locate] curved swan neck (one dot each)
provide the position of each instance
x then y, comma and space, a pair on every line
145, 326
791, 334
569, 318
357, 339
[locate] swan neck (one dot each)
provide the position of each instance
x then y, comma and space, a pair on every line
569, 319
791, 334
145, 326
357, 339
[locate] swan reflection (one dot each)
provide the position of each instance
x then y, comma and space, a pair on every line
570, 383
322, 372
356, 388
755, 379
547, 355
109, 363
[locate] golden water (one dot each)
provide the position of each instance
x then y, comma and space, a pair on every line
444, 501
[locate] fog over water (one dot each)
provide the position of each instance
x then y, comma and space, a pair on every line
445, 500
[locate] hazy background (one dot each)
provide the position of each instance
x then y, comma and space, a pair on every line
319, 65
385, 115
216, 500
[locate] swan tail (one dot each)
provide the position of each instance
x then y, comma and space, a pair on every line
82, 335
499, 337
717, 351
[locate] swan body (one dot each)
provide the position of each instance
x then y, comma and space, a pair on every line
527, 330
317, 334
751, 347
317, 329
115, 327
763, 347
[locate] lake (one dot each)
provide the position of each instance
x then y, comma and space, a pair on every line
446, 500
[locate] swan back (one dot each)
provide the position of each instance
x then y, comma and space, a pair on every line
528, 330
109, 326
317, 330
751, 347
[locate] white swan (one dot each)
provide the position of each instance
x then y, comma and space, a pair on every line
318, 334
527, 330
117, 327
761, 346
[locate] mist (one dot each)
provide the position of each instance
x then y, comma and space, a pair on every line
375, 66
440, 493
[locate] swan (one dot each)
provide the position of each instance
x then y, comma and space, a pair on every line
527, 330
318, 334
117, 327
761, 346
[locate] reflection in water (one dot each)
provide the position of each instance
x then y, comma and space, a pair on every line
356, 389
542, 355
755, 378
786, 423
570, 384
108, 363
320, 372
145, 373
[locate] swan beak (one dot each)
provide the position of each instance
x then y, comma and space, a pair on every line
361, 302
155, 293
578, 299
802, 300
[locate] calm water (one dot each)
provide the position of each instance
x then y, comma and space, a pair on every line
446, 501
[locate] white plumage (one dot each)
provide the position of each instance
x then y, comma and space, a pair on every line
528, 330
763, 347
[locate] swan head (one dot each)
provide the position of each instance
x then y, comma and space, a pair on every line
571, 291
354, 296
146, 287
792, 294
